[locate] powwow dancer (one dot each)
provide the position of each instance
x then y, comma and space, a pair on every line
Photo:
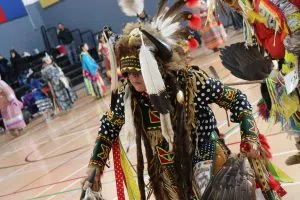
165, 104
274, 25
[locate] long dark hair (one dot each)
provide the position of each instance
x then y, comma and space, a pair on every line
183, 148
17, 55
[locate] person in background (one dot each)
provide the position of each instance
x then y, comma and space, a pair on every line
103, 50
93, 82
5, 70
38, 99
11, 110
62, 94
16, 62
210, 32
64, 35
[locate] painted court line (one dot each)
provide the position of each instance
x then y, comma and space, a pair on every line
66, 188
69, 176
5, 177
46, 135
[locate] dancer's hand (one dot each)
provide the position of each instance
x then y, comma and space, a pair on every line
96, 184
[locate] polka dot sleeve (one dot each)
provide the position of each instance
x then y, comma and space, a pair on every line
209, 91
111, 124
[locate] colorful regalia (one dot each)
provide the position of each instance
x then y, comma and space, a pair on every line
174, 121
211, 32
275, 26
11, 108
94, 84
63, 96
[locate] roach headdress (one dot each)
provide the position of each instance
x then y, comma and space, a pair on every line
154, 47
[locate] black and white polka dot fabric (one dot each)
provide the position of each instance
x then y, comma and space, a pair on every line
107, 127
208, 92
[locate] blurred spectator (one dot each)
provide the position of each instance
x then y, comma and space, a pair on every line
63, 96
211, 31
93, 82
38, 100
10, 108
5, 70
17, 62
65, 37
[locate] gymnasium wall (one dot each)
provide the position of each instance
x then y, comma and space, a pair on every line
22, 34
82, 14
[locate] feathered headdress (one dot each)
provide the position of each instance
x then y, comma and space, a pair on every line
154, 47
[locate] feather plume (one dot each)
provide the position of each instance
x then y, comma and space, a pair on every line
167, 129
246, 63
161, 7
182, 16
265, 146
263, 110
150, 71
156, 89
132, 7
174, 9
113, 64
170, 30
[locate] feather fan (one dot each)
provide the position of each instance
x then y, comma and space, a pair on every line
132, 7
246, 63
235, 181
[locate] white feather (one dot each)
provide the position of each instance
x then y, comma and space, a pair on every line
113, 64
130, 130
170, 30
167, 129
132, 7
150, 71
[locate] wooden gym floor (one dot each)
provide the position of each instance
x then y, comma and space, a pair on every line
49, 160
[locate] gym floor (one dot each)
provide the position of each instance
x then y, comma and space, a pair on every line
49, 160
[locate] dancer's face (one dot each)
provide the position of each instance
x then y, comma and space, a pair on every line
136, 79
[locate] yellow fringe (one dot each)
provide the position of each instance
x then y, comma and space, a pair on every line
132, 187
89, 87
290, 60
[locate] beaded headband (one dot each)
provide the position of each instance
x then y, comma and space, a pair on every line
130, 64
